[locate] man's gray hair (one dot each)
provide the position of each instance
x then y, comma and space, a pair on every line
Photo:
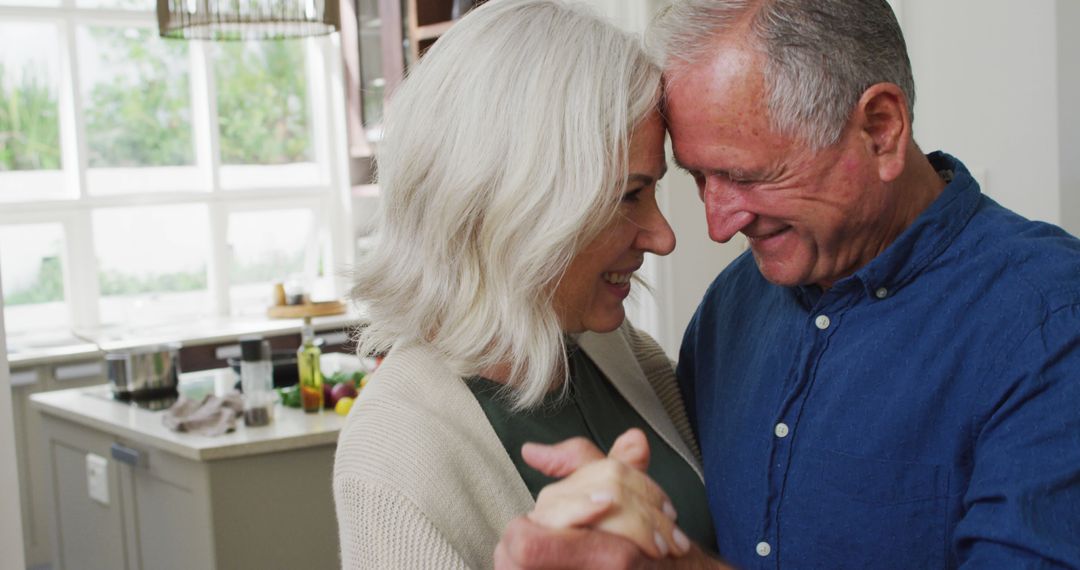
504, 152
821, 55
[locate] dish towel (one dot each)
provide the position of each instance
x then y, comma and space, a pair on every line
212, 415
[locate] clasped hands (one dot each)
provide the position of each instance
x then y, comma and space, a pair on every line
604, 513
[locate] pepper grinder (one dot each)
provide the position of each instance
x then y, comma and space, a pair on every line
257, 381
460, 7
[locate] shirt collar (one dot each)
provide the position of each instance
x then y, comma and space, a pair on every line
918, 245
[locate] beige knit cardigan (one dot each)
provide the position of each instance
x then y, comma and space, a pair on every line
421, 480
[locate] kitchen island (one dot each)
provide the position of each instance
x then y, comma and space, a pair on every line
127, 492
52, 362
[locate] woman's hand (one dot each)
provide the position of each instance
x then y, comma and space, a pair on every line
610, 493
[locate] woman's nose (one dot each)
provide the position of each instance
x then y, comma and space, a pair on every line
656, 235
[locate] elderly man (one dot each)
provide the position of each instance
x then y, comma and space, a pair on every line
890, 378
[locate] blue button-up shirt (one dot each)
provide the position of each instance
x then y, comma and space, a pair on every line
922, 413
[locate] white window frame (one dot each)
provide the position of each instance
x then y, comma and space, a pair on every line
321, 186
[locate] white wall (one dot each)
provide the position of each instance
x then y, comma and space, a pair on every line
1068, 68
11, 537
986, 78
687, 272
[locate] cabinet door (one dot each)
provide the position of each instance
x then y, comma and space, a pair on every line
32, 460
275, 510
167, 510
88, 534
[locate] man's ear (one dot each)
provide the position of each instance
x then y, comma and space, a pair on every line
884, 121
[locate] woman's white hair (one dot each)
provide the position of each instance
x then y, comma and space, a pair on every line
504, 152
821, 55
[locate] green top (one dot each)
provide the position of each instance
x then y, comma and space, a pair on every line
594, 409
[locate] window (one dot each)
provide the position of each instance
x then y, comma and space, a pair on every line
30, 159
265, 247
148, 182
152, 263
33, 276
136, 104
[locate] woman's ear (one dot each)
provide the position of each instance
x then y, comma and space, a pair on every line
886, 127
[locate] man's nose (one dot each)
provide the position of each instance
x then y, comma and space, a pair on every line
725, 209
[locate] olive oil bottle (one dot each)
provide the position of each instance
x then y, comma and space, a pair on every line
307, 363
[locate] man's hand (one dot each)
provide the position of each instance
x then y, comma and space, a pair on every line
528, 546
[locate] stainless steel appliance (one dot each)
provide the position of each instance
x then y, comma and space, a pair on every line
144, 372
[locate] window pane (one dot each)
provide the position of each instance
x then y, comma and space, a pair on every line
262, 102
265, 247
31, 268
147, 5
29, 109
29, 2
152, 263
136, 98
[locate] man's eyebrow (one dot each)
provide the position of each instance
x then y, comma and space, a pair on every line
734, 173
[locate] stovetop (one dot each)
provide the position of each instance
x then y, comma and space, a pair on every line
153, 404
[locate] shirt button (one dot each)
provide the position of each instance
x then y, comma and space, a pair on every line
781, 430
822, 322
881, 293
763, 549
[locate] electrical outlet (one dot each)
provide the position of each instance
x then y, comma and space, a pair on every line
97, 478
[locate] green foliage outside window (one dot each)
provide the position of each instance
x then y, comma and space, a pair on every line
269, 267
116, 283
47, 288
142, 116
262, 103
29, 123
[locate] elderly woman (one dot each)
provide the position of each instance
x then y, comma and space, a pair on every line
518, 172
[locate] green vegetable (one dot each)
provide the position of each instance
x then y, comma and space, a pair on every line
339, 377
290, 396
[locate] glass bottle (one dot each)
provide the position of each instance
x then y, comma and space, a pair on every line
307, 363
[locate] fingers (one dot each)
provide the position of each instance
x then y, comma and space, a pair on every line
561, 459
611, 496
651, 530
558, 509
632, 448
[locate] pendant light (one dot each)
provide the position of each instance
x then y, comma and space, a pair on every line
247, 19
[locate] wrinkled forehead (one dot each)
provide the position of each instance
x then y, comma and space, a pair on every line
728, 85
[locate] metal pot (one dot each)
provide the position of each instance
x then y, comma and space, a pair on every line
144, 372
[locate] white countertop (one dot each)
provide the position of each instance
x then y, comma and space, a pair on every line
91, 343
95, 408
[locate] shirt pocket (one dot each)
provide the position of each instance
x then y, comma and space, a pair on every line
860, 512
